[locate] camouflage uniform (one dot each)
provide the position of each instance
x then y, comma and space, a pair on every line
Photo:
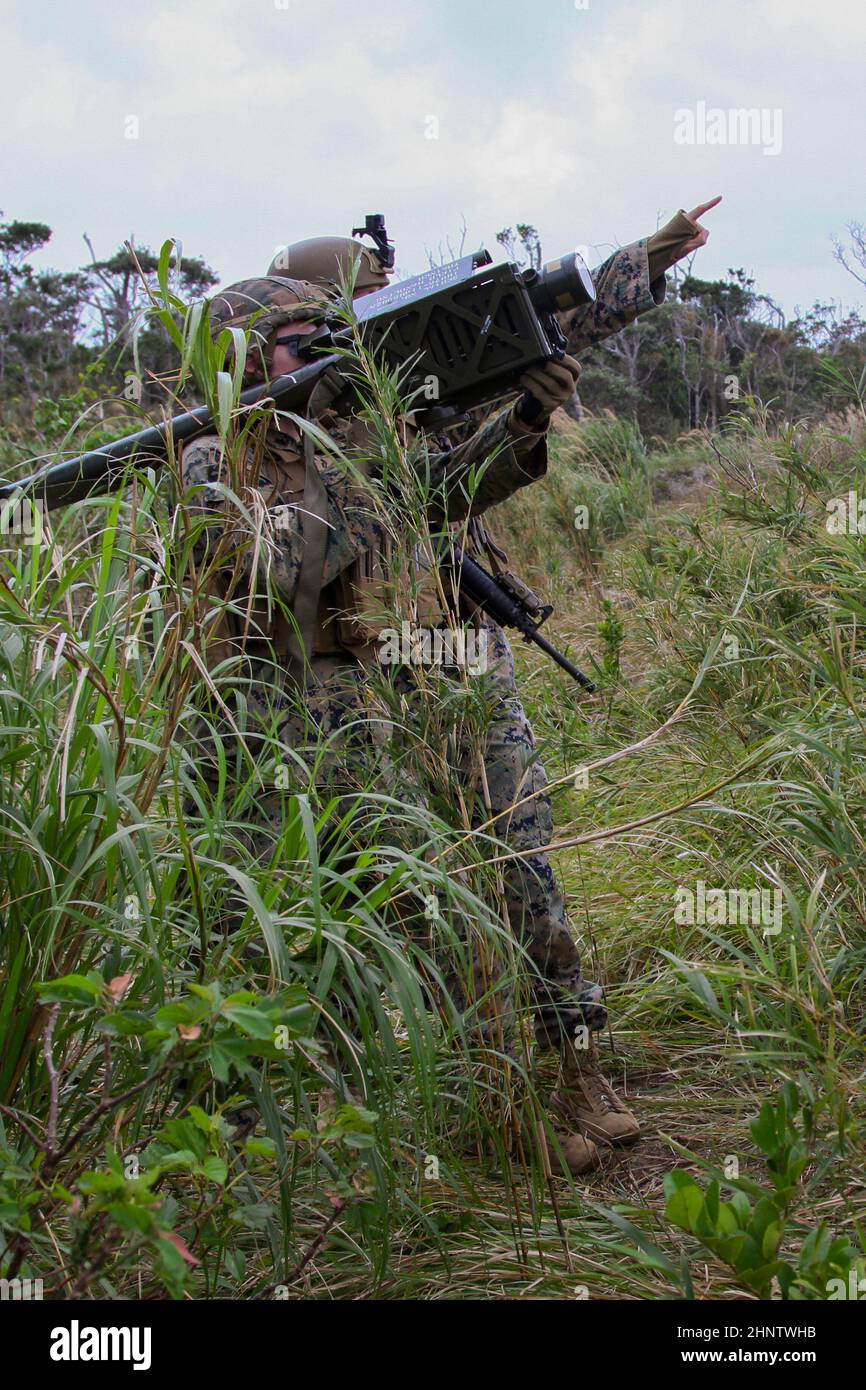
334, 696
242, 610
623, 289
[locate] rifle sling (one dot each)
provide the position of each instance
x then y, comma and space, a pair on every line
298, 636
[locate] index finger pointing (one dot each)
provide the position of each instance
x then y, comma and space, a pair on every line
704, 207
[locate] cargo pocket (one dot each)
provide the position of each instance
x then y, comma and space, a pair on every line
365, 607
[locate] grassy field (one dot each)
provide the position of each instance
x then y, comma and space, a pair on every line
171, 1125
766, 769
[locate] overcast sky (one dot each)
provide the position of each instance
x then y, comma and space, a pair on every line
264, 121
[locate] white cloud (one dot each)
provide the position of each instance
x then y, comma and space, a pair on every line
260, 125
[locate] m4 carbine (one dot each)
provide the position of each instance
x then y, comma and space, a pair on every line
509, 601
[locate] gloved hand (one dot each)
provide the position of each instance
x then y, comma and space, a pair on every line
545, 389
678, 238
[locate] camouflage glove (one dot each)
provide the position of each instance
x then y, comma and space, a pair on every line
545, 389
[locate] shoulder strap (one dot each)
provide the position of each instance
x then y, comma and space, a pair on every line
483, 542
300, 634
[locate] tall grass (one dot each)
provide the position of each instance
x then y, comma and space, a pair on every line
227, 1039
767, 768
233, 1058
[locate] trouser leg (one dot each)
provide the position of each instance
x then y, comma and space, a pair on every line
516, 787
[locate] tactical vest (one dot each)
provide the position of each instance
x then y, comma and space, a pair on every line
349, 615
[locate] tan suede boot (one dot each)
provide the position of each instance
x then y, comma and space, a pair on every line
584, 1099
579, 1155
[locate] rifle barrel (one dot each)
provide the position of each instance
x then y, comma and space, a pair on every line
533, 635
482, 589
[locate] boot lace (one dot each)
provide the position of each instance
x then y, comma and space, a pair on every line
600, 1095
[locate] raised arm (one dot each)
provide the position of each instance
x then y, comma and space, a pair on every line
632, 280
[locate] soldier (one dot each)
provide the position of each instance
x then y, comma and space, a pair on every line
308, 587
569, 1011
316, 567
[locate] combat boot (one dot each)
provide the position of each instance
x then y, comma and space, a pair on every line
579, 1154
586, 1101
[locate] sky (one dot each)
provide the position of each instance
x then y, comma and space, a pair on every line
236, 126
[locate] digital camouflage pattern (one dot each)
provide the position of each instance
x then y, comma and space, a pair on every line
260, 305
353, 527
357, 547
623, 289
536, 907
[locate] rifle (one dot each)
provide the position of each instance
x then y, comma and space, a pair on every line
511, 603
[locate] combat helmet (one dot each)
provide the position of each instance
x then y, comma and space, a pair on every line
327, 260
260, 306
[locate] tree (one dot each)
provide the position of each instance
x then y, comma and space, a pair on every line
522, 244
448, 252
56, 325
40, 314
117, 288
856, 252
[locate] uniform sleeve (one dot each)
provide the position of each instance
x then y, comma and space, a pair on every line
498, 459
624, 290
269, 546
